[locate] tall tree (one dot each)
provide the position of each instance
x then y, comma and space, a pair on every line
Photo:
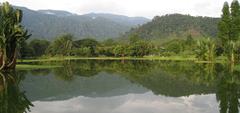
89, 43
235, 24
39, 47
224, 24
12, 33
61, 46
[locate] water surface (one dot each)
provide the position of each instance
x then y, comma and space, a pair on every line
97, 86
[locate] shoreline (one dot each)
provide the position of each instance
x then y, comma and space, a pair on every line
155, 58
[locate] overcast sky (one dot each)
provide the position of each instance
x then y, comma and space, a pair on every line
145, 8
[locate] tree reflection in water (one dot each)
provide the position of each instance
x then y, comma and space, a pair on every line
171, 79
224, 79
228, 90
12, 99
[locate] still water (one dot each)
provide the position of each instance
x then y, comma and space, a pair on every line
88, 86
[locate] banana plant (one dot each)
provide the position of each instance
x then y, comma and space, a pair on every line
12, 33
206, 50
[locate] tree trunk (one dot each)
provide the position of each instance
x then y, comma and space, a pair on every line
8, 63
1, 57
3, 65
13, 62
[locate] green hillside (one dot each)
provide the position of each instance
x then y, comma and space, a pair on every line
176, 26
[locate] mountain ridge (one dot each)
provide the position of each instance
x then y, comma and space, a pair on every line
48, 24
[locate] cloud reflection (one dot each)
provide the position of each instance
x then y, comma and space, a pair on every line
130, 103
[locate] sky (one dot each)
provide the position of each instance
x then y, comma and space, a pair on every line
132, 8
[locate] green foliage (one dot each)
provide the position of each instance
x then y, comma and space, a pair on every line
39, 47
224, 24
91, 44
229, 29
179, 47
26, 51
105, 51
120, 51
90, 47
134, 38
206, 50
175, 46
61, 46
140, 48
189, 40
230, 51
108, 42
176, 25
83, 51
12, 35
235, 22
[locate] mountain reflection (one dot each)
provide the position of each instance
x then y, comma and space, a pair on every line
12, 99
90, 79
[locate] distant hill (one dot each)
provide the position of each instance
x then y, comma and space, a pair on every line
124, 20
57, 13
47, 24
177, 26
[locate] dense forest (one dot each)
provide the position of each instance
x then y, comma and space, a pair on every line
178, 26
47, 24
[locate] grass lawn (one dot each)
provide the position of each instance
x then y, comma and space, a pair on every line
29, 66
237, 67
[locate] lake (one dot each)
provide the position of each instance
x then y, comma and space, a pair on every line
115, 86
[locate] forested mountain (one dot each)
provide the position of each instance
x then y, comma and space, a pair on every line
56, 13
177, 26
47, 24
124, 20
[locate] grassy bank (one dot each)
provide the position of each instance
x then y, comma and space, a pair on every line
45, 63
173, 58
30, 66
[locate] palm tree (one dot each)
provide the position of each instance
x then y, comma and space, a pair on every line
12, 33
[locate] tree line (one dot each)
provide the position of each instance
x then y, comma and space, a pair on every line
65, 45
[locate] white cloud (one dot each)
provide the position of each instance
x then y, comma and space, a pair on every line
147, 8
